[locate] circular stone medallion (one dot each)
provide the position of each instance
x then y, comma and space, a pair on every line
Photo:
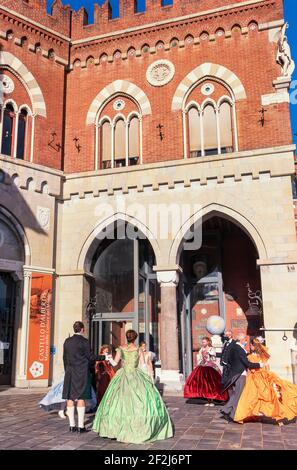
118, 105
207, 89
160, 72
7, 84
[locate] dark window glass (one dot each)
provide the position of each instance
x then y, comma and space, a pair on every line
114, 273
6, 147
294, 187
21, 135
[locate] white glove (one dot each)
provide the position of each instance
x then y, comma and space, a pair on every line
112, 361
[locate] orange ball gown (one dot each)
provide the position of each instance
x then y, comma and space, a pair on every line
266, 394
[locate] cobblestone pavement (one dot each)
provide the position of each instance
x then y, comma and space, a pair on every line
23, 425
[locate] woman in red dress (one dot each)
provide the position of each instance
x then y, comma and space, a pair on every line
104, 372
205, 380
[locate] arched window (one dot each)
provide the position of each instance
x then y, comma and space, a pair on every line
22, 133
210, 126
133, 142
210, 137
225, 126
7, 130
118, 134
120, 143
106, 145
194, 132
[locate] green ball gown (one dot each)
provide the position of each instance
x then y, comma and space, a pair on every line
132, 409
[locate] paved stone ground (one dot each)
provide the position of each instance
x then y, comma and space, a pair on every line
24, 426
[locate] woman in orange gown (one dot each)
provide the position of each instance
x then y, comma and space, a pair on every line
104, 372
265, 394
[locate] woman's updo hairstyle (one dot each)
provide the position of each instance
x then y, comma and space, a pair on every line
131, 336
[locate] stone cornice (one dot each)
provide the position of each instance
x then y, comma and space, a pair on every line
208, 172
34, 166
182, 162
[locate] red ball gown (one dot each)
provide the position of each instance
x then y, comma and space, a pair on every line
205, 380
104, 372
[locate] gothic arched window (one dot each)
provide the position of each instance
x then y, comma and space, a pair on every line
209, 123
226, 127
22, 133
7, 130
133, 141
106, 145
210, 136
194, 132
118, 134
120, 143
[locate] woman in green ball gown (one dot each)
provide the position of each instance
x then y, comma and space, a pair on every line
132, 409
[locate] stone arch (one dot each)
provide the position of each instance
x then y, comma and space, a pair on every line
226, 212
18, 230
86, 248
12, 63
116, 87
203, 71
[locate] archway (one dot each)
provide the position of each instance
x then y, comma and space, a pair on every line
219, 278
124, 291
12, 257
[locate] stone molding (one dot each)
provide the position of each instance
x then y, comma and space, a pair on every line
122, 87
168, 278
204, 71
25, 76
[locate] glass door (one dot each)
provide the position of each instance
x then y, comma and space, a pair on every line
201, 300
126, 292
7, 320
201, 294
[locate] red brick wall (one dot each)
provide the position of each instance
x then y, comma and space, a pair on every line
248, 54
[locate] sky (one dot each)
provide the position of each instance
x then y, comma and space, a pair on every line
290, 17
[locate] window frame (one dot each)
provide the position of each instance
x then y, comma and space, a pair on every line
100, 120
30, 121
200, 107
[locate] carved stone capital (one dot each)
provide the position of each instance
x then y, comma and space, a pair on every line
168, 278
27, 274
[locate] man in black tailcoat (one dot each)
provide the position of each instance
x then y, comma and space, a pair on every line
227, 348
77, 359
236, 375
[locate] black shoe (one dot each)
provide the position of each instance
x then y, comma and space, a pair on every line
72, 429
227, 418
81, 430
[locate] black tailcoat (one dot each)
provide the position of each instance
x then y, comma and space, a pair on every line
225, 360
77, 358
238, 363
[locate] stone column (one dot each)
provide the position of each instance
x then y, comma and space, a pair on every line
21, 371
171, 379
279, 283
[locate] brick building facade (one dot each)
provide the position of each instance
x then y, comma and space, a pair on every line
181, 108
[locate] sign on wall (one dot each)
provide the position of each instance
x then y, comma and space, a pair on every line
40, 326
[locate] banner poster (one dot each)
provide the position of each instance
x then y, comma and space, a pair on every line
39, 326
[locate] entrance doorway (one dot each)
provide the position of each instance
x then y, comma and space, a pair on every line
7, 325
217, 280
11, 267
125, 289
